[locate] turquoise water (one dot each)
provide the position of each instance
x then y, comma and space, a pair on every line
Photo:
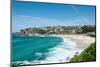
25, 48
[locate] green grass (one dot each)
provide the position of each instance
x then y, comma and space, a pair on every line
87, 55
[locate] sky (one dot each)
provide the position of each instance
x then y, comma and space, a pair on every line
36, 14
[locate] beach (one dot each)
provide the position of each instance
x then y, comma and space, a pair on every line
49, 49
82, 41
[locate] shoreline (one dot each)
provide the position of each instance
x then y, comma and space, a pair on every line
58, 54
82, 41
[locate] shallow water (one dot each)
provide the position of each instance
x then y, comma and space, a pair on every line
35, 50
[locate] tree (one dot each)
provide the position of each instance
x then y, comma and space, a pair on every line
88, 28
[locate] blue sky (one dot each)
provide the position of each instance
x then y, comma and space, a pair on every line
32, 14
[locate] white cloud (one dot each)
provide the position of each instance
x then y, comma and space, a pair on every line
43, 21
52, 22
24, 16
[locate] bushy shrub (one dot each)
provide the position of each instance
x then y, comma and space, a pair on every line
88, 54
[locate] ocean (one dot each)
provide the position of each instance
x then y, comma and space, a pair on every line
41, 50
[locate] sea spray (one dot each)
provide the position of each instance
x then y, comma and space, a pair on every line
42, 50
61, 53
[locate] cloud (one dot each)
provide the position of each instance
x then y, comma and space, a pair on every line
48, 21
82, 18
75, 9
30, 21
24, 16
43, 21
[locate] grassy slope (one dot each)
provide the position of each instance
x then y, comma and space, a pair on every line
87, 55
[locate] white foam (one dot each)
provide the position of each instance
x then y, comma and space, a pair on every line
38, 54
22, 62
58, 54
61, 53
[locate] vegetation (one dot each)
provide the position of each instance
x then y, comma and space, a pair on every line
88, 28
85, 29
87, 55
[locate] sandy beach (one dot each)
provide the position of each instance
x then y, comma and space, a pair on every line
82, 41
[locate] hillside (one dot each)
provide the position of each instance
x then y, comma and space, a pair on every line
85, 29
87, 55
